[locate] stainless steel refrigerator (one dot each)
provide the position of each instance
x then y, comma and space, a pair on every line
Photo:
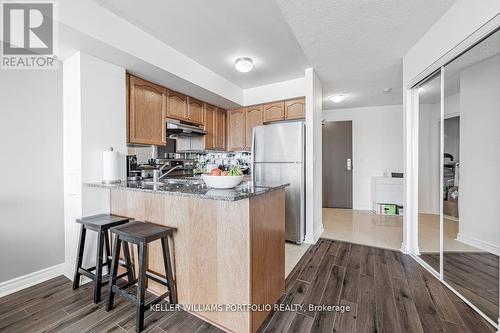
278, 152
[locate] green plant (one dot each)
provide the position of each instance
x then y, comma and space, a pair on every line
235, 171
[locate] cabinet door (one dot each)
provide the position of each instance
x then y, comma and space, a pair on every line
236, 129
274, 111
195, 111
177, 106
254, 117
295, 109
210, 127
220, 129
147, 108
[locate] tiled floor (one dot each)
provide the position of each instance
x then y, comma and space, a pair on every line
363, 227
293, 253
366, 228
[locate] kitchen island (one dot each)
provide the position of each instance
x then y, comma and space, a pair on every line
228, 245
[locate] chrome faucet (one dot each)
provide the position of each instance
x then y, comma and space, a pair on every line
157, 173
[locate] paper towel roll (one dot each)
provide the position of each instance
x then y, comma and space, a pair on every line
110, 166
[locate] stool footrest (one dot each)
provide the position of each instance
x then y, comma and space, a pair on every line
125, 294
156, 300
157, 278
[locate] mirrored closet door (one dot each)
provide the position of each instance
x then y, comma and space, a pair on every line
471, 175
429, 186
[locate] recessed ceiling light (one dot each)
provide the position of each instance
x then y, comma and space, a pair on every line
243, 64
387, 90
337, 98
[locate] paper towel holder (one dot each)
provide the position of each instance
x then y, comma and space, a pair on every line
109, 181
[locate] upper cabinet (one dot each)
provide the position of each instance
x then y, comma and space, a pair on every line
220, 129
177, 106
195, 111
147, 105
236, 128
295, 109
210, 127
254, 117
287, 110
274, 111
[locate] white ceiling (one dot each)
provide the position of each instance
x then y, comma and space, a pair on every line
215, 33
356, 46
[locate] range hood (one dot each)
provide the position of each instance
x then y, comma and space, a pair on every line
177, 128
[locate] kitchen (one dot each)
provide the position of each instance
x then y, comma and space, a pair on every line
174, 162
166, 189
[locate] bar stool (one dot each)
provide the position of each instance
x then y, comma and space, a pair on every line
101, 224
141, 234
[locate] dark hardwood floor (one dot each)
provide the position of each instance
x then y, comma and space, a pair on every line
385, 290
474, 275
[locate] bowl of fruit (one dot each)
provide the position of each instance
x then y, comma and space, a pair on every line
223, 179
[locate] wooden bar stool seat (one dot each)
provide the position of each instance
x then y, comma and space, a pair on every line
101, 224
141, 234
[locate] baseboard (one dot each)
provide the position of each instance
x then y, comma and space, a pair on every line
315, 237
28, 280
482, 245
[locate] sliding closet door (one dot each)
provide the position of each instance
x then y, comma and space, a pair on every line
429, 184
471, 175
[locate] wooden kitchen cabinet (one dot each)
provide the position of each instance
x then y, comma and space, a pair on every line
274, 111
236, 129
254, 117
295, 109
210, 127
195, 111
147, 105
177, 106
220, 129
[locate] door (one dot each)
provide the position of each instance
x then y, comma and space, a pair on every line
337, 164
274, 111
295, 109
220, 129
210, 127
147, 107
195, 111
281, 142
253, 118
177, 105
292, 173
236, 129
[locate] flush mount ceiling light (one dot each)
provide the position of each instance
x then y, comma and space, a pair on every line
387, 90
243, 64
337, 98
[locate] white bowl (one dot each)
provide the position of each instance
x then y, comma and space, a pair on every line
222, 181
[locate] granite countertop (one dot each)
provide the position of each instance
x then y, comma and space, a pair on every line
245, 190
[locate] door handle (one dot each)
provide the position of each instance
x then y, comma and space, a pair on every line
348, 165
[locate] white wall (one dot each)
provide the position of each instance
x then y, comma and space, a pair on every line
314, 189
274, 92
463, 19
377, 145
94, 111
479, 155
31, 194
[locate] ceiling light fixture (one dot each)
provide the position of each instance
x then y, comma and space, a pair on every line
243, 64
337, 98
387, 90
